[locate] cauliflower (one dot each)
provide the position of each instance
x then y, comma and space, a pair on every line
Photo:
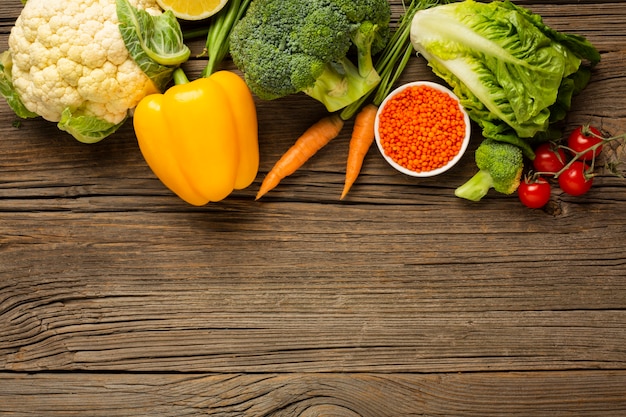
69, 59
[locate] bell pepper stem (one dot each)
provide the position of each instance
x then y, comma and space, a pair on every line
180, 77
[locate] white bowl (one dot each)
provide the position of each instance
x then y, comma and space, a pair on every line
452, 161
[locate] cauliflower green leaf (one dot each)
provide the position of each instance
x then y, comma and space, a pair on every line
8, 91
86, 129
155, 42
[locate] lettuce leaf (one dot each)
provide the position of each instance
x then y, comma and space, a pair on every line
514, 75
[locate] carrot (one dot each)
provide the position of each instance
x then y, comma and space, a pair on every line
311, 141
360, 142
390, 64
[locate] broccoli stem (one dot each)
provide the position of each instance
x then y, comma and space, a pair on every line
476, 187
340, 84
363, 39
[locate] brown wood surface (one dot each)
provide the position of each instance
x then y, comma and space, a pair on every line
118, 299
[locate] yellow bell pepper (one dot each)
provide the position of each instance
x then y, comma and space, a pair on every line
200, 138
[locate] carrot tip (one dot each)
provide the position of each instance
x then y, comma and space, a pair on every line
260, 194
269, 183
312, 140
345, 192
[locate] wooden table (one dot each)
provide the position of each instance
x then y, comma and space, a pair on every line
118, 299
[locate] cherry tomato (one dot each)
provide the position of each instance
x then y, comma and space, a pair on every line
549, 158
534, 193
573, 180
583, 138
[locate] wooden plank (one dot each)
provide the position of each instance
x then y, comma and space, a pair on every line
218, 291
306, 395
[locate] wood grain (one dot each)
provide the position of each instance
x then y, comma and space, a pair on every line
117, 299
312, 395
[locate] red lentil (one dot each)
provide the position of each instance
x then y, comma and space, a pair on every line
421, 128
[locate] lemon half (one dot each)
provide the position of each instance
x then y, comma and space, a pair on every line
192, 9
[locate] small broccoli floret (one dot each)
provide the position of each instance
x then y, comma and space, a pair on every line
500, 167
287, 46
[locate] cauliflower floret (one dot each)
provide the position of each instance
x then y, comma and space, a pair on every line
70, 54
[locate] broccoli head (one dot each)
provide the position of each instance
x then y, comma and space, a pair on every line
500, 167
286, 47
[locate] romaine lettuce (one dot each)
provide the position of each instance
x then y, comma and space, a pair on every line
513, 74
